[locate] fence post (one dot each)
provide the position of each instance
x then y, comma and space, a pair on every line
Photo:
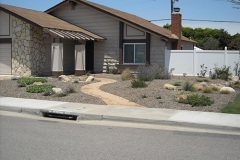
225, 56
194, 61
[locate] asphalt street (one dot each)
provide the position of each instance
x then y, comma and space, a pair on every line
40, 139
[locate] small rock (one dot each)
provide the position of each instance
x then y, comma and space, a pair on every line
182, 97
204, 84
227, 89
37, 83
57, 90
235, 78
169, 87
89, 79
64, 78
198, 87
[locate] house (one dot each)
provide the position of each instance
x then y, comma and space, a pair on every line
76, 36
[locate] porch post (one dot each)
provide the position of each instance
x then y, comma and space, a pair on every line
57, 59
80, 66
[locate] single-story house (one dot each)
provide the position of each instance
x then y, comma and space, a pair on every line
76, 36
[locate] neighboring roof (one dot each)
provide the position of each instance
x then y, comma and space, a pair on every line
44, 20
133, 19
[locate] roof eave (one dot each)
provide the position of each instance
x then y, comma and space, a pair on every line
109, 13
20, 17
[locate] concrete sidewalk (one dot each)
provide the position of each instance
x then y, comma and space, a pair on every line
123, 113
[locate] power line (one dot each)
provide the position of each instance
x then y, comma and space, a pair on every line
198, 20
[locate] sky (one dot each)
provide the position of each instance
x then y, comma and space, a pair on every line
218, 10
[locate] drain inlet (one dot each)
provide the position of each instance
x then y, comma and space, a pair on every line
60, 116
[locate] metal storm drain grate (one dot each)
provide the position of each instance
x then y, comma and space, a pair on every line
59, 114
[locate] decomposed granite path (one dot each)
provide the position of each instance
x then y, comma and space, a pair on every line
93, 89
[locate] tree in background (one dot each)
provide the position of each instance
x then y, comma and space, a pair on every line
208, 38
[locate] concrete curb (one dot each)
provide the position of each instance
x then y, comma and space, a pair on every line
87, 116
80, 111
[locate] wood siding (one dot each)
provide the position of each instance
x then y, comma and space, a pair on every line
157, 51
96, 22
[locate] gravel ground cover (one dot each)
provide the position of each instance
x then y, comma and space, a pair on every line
156, 96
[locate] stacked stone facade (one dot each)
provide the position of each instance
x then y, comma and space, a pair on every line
28, 50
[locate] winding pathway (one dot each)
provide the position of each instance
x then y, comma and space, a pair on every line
93, 89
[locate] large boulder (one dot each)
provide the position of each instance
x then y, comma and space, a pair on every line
64, 78
57, 90
169, 87
227, 90
89, 79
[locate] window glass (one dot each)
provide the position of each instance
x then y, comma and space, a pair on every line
128, 53
140, 53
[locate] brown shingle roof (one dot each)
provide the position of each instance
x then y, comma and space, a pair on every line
138, 21
44, 20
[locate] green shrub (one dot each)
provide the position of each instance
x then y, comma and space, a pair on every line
22, 85
163, 73
187, 86
146, 73
39, 88
207, 90
138, 84
31, 80
202, 80
177, 83
127, 75
149, 73
223, 73
70, 90
232, 107
197, 100
214, 88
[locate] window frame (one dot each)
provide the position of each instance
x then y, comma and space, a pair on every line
134, 44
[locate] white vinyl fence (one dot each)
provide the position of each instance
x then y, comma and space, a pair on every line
189, 61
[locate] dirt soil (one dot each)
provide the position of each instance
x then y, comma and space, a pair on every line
156, 96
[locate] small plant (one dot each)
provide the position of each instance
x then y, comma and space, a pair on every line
187, 86
184, 74
144, 96
127, 75
163, 73
39, 88
177, 83
214, 88
197, 100
202, 80
70, 90
203, 71
138, 84
223, 73
76, 81
31, 80
159, 97
48, 92
22, 85
207, 90
146, 73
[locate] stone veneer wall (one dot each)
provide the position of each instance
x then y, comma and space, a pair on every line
28, 50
